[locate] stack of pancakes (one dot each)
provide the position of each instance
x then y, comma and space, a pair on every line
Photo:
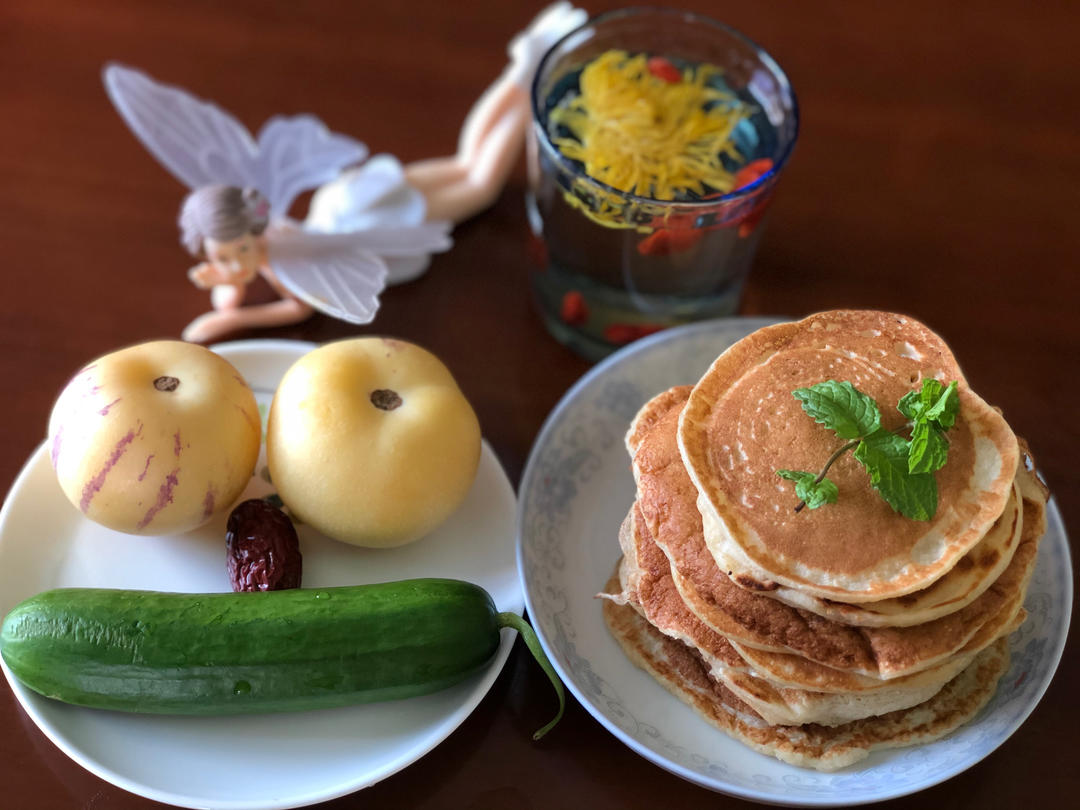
819, 635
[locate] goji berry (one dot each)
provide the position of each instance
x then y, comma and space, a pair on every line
747, 226
752, 171
536, 250
663, 242
574, 310
620, 333
662, 69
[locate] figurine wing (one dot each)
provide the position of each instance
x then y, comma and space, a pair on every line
198, 142
376, 205
391, 241
328, 271
202, 145
299, 153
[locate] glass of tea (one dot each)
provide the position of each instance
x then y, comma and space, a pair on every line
658, 139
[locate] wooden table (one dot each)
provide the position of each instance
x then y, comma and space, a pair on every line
936, 174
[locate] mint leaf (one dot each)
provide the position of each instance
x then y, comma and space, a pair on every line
930, 391
910, 405
885, 457
933, 410
934, 401
813, 494
929, 448
795, 475
840, 407
945, 407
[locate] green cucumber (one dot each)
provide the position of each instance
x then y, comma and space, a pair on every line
240, 653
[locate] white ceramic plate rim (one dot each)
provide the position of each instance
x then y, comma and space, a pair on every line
481, 682
1055, 529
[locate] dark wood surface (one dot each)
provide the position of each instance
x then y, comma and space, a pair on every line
937, 174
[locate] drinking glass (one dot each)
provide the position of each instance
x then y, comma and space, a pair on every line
611, 266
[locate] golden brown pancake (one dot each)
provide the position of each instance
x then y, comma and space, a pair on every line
962, 585
652, 412
645, 579
795, 671
679, 670
667, 501
741, 424
791, 670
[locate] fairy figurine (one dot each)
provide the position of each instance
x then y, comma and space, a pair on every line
371, 222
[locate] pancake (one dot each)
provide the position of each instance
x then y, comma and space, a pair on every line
644, 576
741, 423
652, 412
667, 500
792, 670
681, 672
961, 586
972, 574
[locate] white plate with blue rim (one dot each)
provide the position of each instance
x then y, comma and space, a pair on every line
259, 761
575, 492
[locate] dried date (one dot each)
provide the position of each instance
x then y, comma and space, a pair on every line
262, 551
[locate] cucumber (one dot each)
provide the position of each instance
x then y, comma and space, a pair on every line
241, 653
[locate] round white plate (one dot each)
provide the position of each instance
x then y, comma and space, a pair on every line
575, 492
267, 761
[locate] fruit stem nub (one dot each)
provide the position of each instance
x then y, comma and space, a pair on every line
385, 400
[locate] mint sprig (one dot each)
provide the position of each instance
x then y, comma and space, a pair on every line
900, 469
815, 491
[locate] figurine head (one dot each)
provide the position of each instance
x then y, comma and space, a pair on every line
223, 224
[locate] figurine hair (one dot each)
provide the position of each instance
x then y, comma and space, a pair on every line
222, 213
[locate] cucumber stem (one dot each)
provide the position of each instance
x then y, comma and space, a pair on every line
533, 643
